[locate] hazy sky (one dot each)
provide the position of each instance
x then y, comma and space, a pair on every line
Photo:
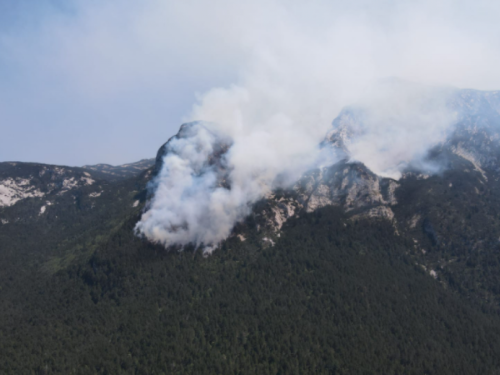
92, 81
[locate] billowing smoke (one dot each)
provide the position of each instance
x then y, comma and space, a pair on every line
299, 68
208, 181
191, 205
213, 172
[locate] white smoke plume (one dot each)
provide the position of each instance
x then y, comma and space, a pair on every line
189, 206
209, 181
297, 76
199, 197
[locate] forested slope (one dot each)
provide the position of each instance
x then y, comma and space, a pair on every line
332, 296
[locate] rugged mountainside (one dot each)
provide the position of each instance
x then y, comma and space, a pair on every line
19, 181
451, 217
346, 272
53, 215
472, 147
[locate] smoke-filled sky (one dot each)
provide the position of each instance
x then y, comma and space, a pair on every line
88, 81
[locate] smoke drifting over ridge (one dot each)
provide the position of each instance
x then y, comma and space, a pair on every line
212, 173
293, 84
395, 124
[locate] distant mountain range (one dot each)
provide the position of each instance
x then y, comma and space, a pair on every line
117, 172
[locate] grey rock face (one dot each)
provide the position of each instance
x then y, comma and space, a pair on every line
349, 185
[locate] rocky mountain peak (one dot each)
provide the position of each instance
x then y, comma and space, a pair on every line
197, 134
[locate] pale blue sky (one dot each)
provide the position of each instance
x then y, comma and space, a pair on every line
89, 81
65, 103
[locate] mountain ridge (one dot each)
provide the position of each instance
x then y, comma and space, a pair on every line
474, 137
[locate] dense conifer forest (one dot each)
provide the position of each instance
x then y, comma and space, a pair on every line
332, 296
337, 293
